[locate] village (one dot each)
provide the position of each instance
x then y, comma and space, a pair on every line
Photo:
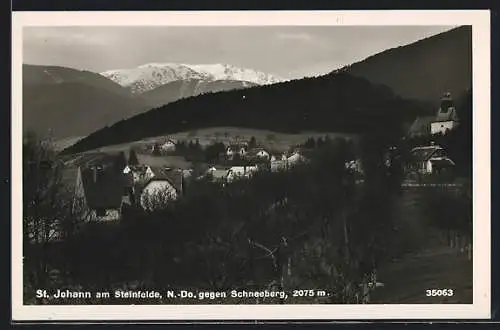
108, 185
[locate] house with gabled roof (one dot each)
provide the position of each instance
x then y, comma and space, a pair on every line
98, 191
103, 191
168, 146
430, 159
258, 154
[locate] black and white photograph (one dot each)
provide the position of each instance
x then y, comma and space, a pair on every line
170, 162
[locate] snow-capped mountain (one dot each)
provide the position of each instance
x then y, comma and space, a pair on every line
150, 76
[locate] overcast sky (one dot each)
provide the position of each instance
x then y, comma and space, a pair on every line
289, 52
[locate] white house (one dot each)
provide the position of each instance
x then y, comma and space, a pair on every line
168, 146
295, 158
157, 190
166, 185
446, 117
430, 159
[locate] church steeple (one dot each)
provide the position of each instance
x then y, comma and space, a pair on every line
446, 117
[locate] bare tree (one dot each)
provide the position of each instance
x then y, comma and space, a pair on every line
50, 212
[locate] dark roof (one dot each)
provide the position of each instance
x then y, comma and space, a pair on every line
421, 125
106, 192
174, 176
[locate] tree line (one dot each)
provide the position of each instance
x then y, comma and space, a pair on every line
335, 103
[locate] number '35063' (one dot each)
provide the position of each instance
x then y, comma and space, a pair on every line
439, 293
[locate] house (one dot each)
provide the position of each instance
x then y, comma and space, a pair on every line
100, 191
446, 117
430, 159
138, 172
166, 185
217, 174
258, 154
237, 172
296, 157
168, 146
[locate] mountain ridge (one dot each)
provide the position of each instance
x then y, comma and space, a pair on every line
424, 69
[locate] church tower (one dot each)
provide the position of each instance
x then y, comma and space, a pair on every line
446, 117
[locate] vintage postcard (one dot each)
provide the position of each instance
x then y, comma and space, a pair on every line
201, 166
